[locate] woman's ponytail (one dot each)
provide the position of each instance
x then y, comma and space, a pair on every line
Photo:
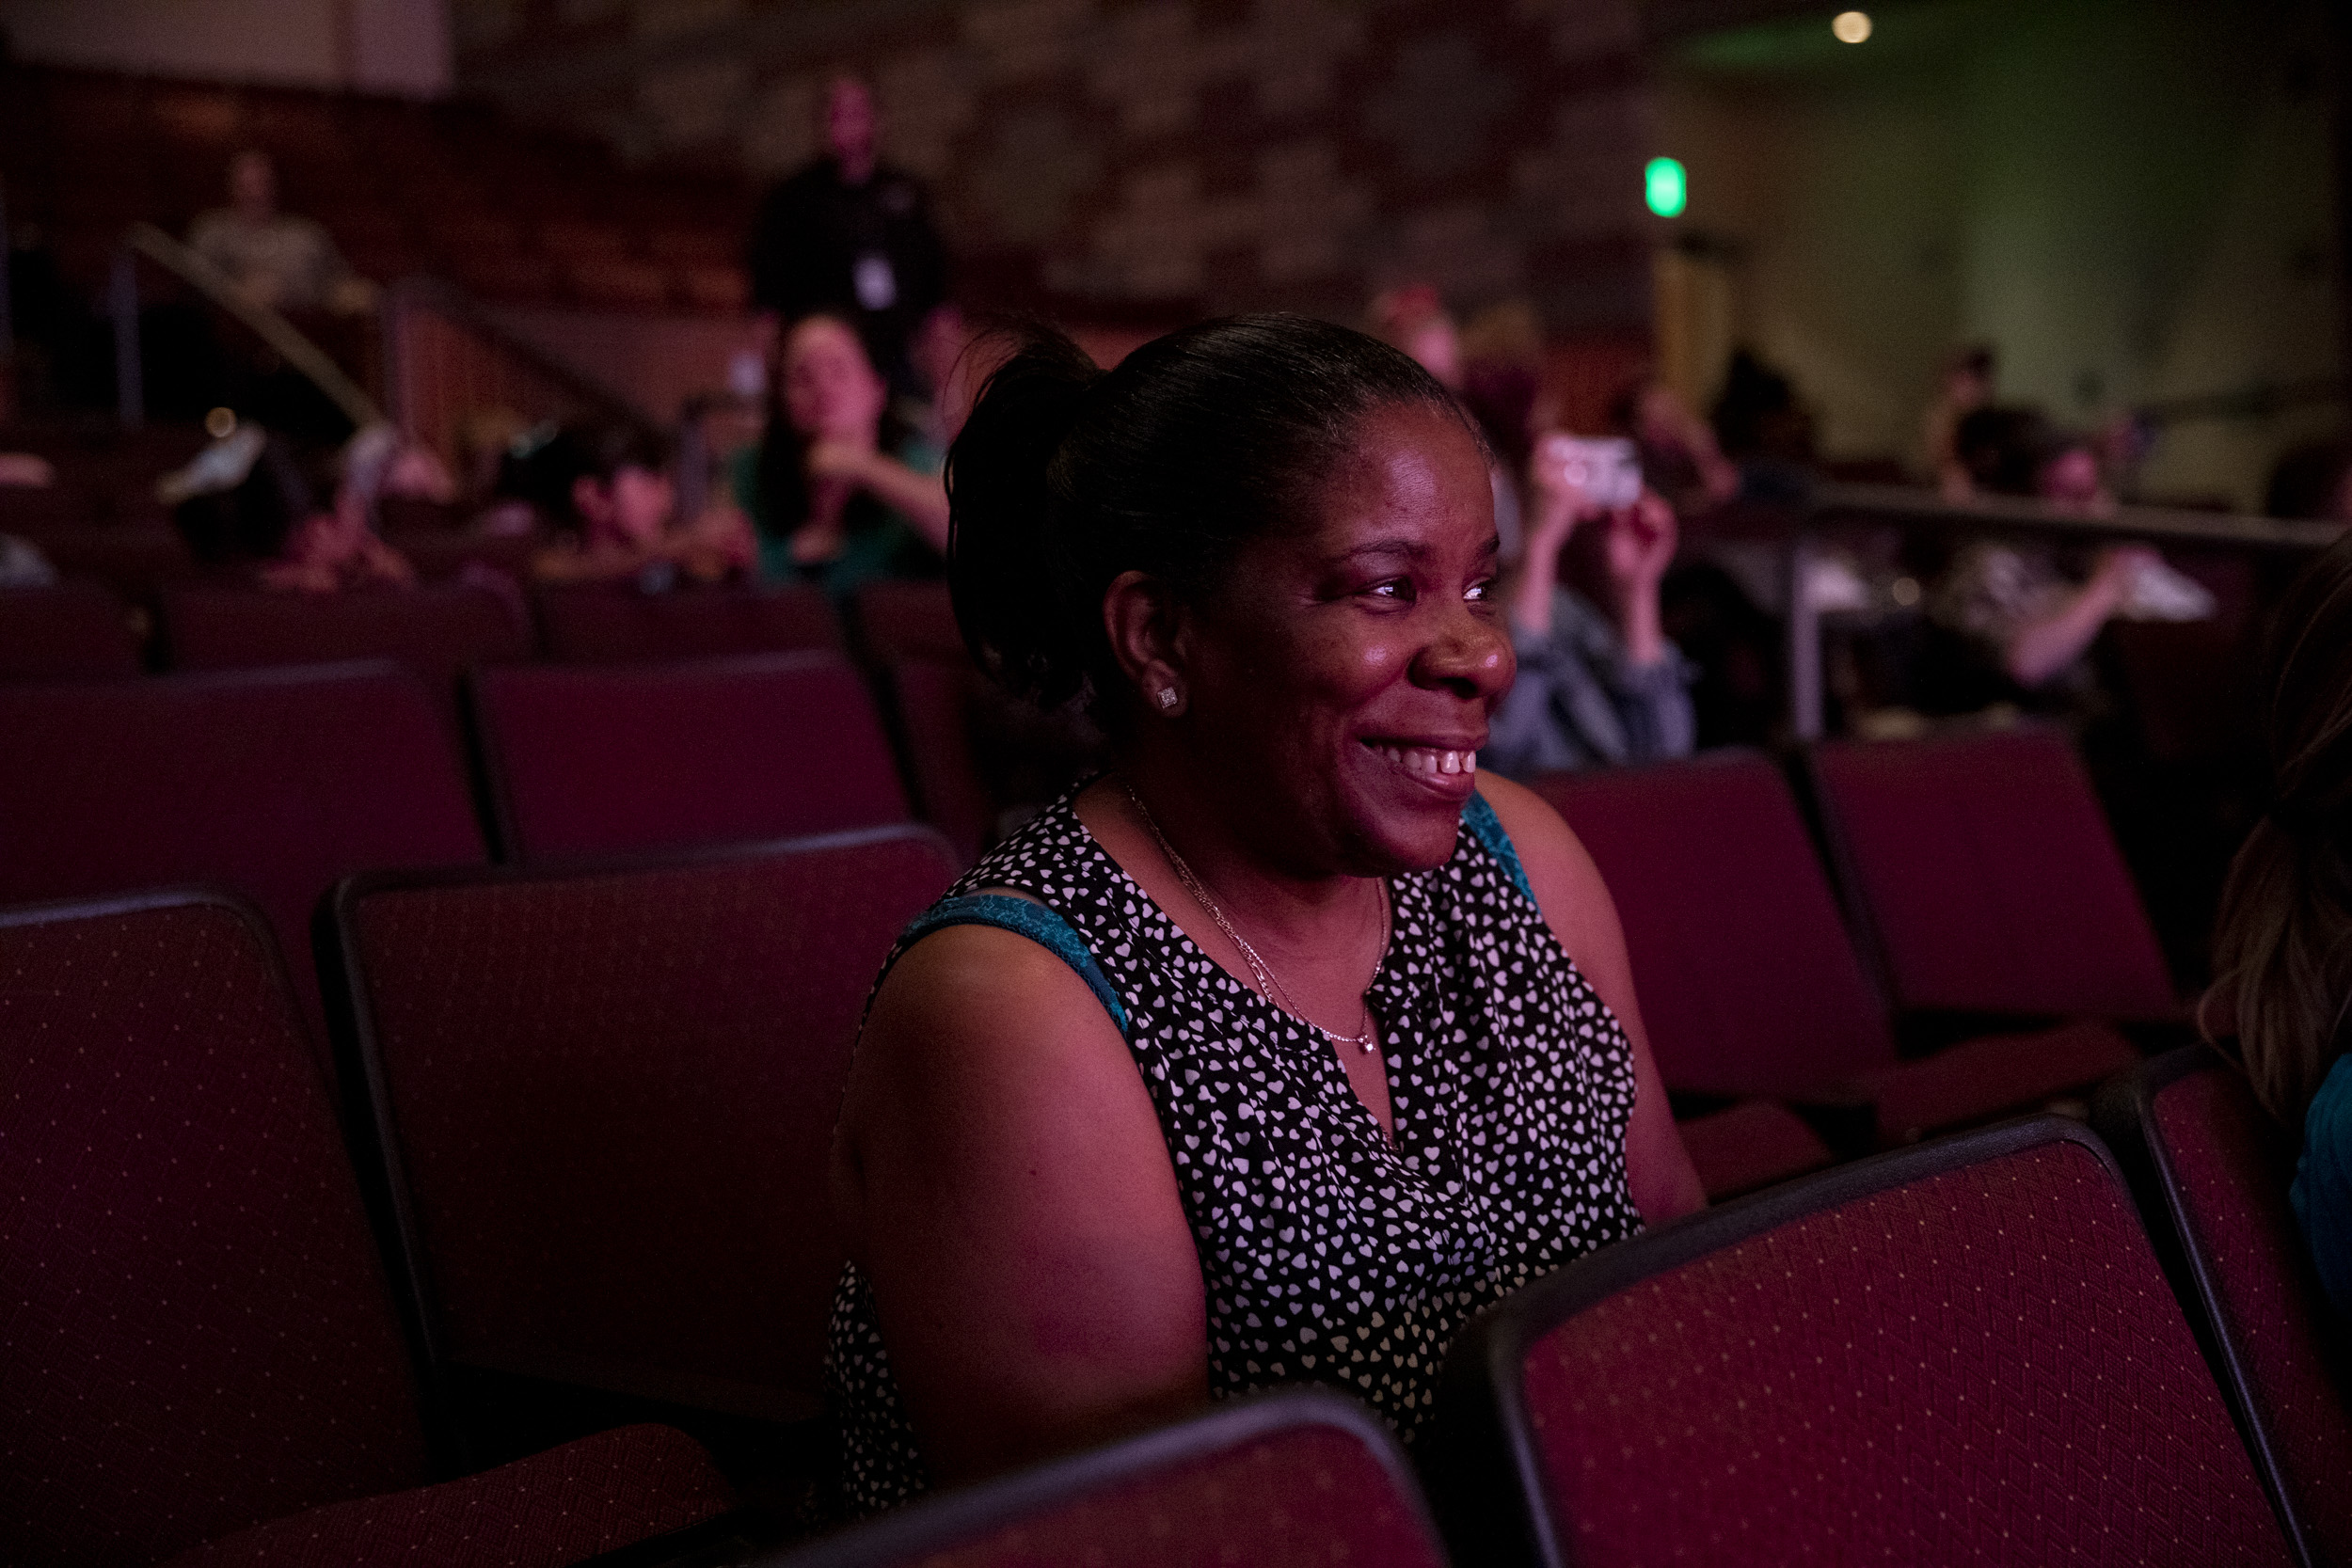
1015, 590
1066, 477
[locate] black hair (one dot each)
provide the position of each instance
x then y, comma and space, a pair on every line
1066, 476
2004, 449
543, 470
2308, 481
251, 521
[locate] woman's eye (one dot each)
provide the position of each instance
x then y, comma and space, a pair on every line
1479, 593
1395, 588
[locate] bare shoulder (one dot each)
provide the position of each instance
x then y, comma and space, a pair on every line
1567, 885
980, 1000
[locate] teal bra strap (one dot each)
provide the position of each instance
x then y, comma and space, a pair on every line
1034, 921
1485, 827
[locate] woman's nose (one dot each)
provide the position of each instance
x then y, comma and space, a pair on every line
1470, 653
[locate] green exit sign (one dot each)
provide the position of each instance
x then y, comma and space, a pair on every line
1666, 187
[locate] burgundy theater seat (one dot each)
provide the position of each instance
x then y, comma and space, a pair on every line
1989, 877
608, 1095
435, 631
599, 760
1747, 981
275, 782
972, 752
199, 1338
569, 1505
133, 560
74, 629
2212, 1171
935, 699
1751, 1145
598, 624
909, 620
1959, 1354
1293, 1479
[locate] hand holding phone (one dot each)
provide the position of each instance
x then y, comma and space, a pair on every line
1605, 470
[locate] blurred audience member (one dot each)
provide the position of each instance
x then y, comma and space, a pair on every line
1762, 427
27, 471
246, 501
22, 565
952, 358
1413, 318
2282, 946
1598, 685
334, 549
1967, 385
841, 489
2312, 482
1501, 388
606, 489
273, 258
1680, 457
852, 236
2025, 614
2015, 602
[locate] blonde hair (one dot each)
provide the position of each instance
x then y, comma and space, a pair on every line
2282, 946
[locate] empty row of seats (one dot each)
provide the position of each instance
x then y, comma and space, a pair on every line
80, 628
1979, 874
1965, 1353
2010, 1346
277, 782
1989, 946
201, 1340
941, 715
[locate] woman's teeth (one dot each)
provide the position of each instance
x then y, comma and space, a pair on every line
1423, 759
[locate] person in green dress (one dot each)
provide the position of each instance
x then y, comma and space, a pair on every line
841, 490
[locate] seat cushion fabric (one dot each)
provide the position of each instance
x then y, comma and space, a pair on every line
196, 1332
1312, 1497
2230, 1167
1977, 1080
275, 785
73, 630
620, 624
615, 759
597, 1494
434, 631
1993, 879
1983, 1365
1750, 1146
1749, 983
615, 1096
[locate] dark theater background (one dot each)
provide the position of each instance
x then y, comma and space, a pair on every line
510, 621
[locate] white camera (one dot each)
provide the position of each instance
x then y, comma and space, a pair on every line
1606, 467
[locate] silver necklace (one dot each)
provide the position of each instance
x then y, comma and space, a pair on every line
1268, 987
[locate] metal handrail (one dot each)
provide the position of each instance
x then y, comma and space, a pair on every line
1800, 524
1832, 503
267, 323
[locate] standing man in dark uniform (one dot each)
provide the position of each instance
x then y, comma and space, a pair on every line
852, 236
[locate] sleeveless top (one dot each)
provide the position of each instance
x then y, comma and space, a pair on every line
1330, 1255
2322, 1193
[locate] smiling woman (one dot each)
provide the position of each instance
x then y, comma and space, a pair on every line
1276, 1052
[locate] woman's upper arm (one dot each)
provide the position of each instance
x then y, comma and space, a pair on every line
1577, 906
1008, 1193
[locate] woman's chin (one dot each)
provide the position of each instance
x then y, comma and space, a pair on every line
1411, 810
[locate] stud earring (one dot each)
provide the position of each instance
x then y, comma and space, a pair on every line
1168, 699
